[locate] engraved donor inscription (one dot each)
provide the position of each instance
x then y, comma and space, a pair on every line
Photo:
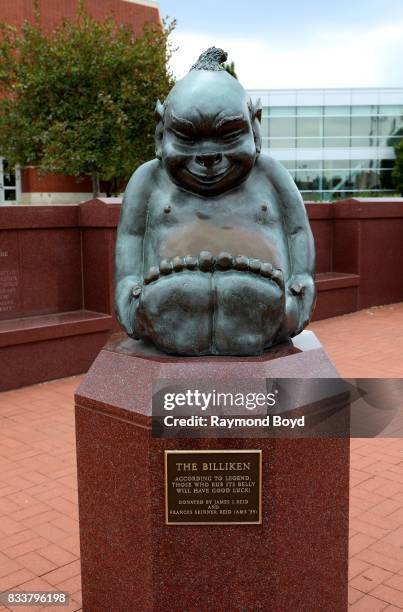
213, 487
8, 290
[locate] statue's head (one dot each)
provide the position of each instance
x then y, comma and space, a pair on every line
208, 131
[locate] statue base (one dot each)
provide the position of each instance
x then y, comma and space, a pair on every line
296, 559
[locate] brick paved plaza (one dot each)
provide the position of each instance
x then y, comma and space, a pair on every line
39, 541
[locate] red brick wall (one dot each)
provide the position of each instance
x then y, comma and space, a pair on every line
34, 182
53, 11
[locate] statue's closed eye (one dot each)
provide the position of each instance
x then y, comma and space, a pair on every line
187, 138
231, 135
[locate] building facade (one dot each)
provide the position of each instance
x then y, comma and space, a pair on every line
335, 143
131, 12
27, 186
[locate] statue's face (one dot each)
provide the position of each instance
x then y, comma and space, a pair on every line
208, 144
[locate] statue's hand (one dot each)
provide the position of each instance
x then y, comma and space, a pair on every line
128, 292
300, 300
175, 312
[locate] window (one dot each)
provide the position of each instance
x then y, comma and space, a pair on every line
366, 179
389, 127
337, 131
281, 143
336, 111
336, 179
364, 163
290, 165
337, 164
364, 131
364, 110
309, 126
264, 126
281, 111
282, 127
9, 182
391, 110
309, 164
309, 111
309, 143
308, 179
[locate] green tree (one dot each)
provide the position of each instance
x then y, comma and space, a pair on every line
80, 100
397, 172
230, 68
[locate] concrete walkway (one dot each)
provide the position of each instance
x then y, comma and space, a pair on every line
39, 541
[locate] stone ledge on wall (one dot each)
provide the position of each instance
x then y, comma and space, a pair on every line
53, 199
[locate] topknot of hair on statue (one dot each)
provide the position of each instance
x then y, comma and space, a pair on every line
212, 59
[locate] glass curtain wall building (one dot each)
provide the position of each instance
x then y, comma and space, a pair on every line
336, 143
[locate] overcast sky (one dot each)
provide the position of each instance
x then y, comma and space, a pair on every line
294, 43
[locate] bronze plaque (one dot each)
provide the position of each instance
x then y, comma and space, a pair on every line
214, 487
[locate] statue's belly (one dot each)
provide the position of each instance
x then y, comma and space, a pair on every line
238, 236
213, 311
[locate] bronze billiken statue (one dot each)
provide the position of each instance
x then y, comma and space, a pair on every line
214, 252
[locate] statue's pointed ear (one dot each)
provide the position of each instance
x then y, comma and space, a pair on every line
258, 110
159, 128
159, 111
255, 110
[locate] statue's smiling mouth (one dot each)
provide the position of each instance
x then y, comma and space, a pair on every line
209, 178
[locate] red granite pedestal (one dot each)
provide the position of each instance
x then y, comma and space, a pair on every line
296, 560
